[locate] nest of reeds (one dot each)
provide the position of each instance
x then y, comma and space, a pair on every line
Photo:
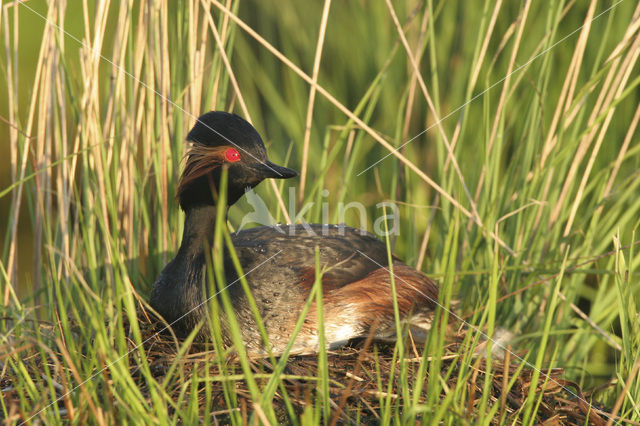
362, 376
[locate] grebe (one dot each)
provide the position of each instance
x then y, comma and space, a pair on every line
279, 261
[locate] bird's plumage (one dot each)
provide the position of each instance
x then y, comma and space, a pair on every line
278, 262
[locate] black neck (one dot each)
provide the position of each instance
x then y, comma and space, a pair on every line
177, 293
199, 228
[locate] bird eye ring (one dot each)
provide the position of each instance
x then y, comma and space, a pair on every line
232, 155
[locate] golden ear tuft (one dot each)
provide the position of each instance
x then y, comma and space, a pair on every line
200, 160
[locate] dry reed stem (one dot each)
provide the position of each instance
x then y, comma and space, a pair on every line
150, 64
476, 72
520, 24
19, 170
220, 43
580, 50
425, 92
414, 79
97, 413
625, 392
564, 99
619, 83
602, 103
312, 97
359, 122
227, 65
621, 156
164, 75
456, 134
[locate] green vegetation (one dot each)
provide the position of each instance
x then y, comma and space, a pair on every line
521, 197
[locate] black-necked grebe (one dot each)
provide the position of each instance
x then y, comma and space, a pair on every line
279, 261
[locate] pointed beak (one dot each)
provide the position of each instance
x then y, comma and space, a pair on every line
272, 170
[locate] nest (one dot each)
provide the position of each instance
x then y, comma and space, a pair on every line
361, 376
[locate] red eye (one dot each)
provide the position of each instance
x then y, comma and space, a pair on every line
232, 155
